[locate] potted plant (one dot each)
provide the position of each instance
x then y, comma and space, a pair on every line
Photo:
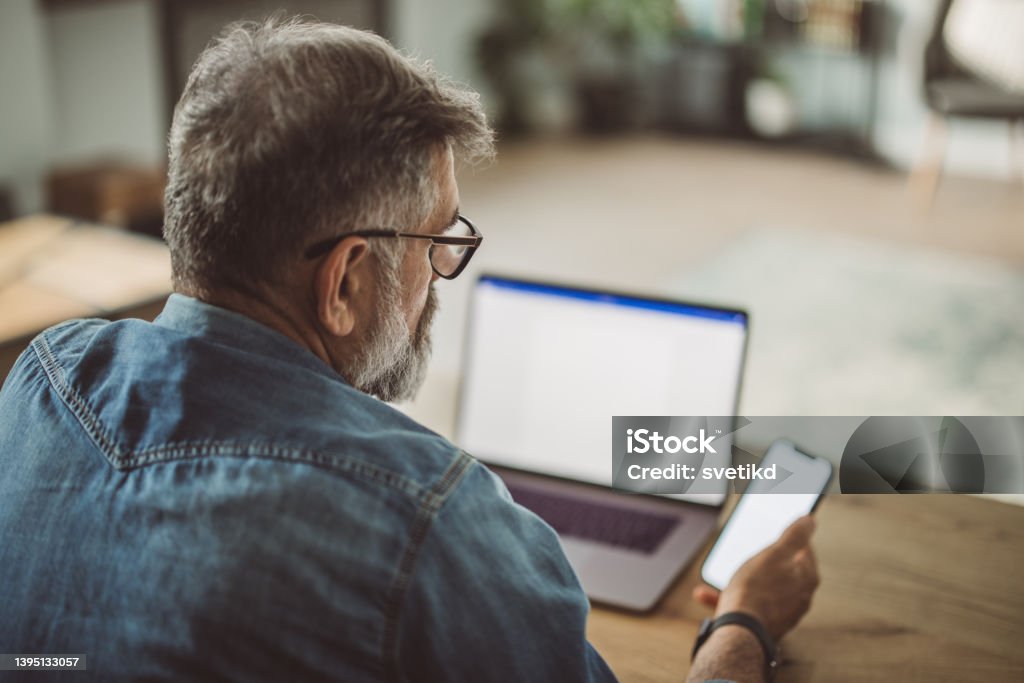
594, 50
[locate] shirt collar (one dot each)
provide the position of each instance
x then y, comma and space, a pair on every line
219, 325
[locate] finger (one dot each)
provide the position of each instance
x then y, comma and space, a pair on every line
806, 563
706, 596
811, 562
797, 536
806, 556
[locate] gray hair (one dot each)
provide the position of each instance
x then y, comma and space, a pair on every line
290, 131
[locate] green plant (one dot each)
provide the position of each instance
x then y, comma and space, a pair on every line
583, 42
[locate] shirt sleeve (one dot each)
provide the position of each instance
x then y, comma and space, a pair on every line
492, 597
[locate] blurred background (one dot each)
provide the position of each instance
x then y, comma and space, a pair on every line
850, 171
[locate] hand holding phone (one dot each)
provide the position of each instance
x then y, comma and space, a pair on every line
762, 561
775, 586
766, 509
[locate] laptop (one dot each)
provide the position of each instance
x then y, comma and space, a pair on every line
545, 368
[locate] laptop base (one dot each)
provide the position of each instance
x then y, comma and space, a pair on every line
624, 573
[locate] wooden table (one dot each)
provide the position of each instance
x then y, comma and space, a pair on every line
53, 269
914, 588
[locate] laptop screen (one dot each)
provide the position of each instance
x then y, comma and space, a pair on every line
547, 367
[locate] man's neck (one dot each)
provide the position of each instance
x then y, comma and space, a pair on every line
272, 313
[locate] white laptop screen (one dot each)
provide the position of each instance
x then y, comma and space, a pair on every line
548, 366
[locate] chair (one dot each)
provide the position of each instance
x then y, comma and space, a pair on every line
953, 90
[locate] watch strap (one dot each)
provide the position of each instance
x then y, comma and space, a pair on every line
751, 623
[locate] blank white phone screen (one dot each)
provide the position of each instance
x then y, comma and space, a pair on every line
760, 518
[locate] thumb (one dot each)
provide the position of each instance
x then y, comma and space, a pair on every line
797, 536
706, 596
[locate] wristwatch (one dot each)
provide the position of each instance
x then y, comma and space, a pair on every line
771, 650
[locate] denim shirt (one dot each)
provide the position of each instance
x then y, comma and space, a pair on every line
201, 498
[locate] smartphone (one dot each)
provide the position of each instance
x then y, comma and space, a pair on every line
766, 509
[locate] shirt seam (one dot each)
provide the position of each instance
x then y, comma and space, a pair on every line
433, 501
124, 460
74, 401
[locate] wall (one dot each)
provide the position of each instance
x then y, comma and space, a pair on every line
26, 123
444, 32
108, 81
76, 81
108, 78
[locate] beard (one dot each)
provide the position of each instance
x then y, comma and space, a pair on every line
393, 362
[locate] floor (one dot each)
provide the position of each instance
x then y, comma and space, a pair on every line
633, 210
637, 213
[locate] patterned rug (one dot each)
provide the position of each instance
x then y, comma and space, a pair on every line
846, 326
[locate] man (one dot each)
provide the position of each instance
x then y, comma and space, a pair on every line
219, 495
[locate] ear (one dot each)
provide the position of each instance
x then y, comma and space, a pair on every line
340, 281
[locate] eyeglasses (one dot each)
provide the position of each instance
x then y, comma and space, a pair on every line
449, 252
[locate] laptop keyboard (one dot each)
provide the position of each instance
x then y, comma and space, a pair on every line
599, 522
